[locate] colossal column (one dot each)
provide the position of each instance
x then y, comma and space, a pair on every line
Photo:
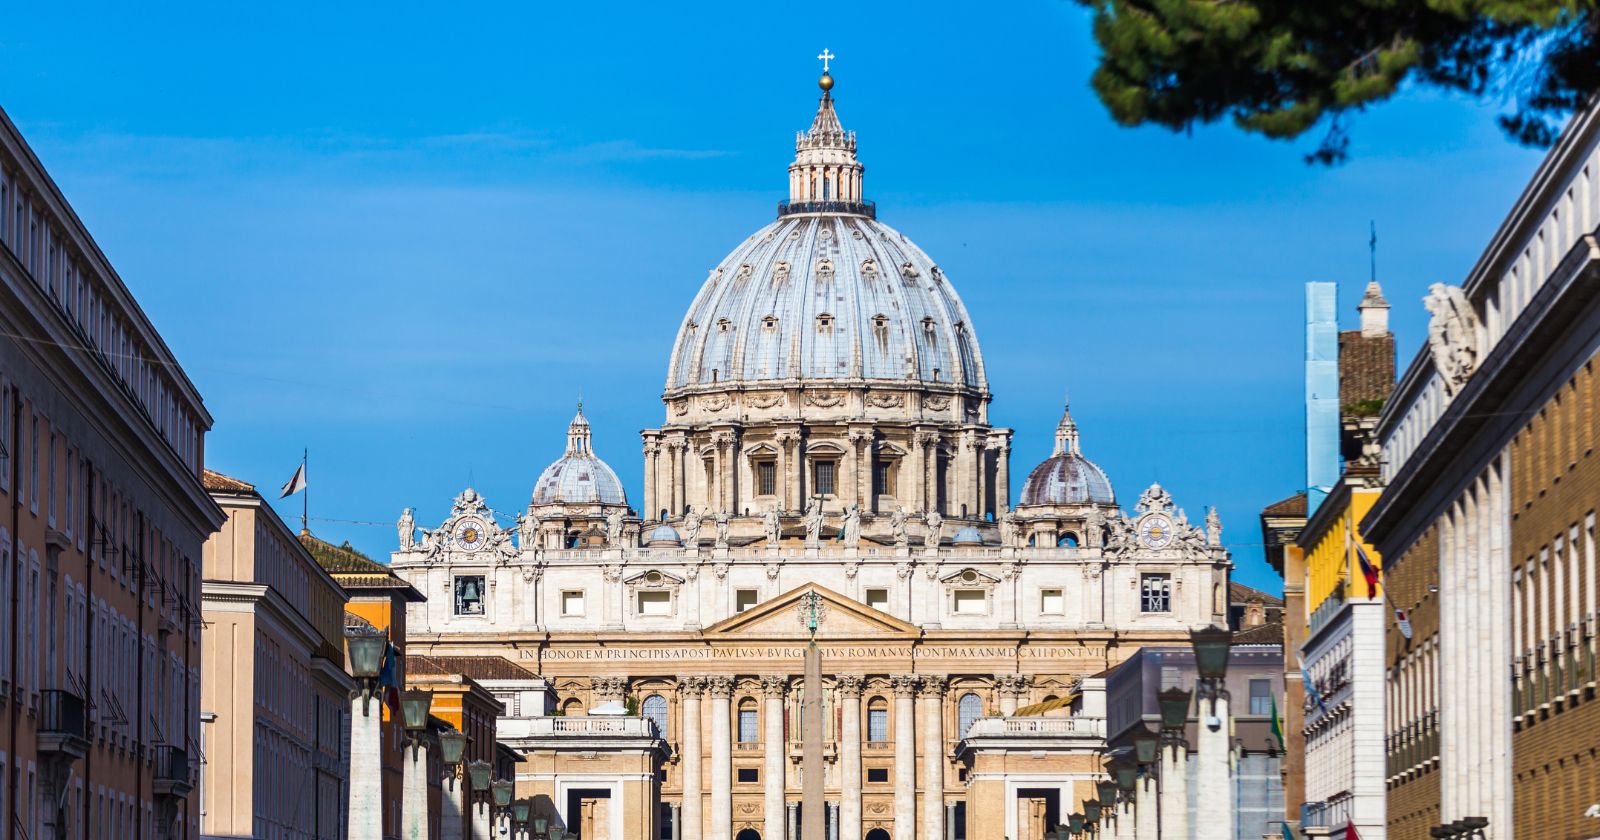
905, 754
721, 690
689, 691
849, 812
932, 720
652, 493
775, 686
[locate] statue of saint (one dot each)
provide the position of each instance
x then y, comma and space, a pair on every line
813, 521
721, 520
691, 528
527, 531
773, 526
408, 530
1213, 528
614, 529
935, 527
852, 526
897, 526
1093, 528
1010, 528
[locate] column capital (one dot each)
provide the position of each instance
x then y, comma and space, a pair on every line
774, 685
849, 685
720, 686
1013, 684
609, 686
933, 686
905, 685
691, 686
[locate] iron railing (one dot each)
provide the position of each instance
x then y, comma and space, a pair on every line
171, 764
857, 208
62, 712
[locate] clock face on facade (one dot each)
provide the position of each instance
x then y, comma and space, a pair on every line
1156, 531
470, 533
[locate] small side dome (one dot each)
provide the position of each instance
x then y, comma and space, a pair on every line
1067, 477
967, 536
664, 536
579, 477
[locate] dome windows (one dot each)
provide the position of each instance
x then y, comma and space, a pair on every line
869, 270
824, 323
769, 323
780, 273
724, 325
825, 270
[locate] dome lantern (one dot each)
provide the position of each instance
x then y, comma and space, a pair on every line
1067, 477
825, 176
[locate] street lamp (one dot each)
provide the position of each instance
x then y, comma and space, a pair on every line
1146, 746
1107, 790
1075, 823
478, 773
1091, 810
1174, 704
540, 825
1127, 773
502, 793
414, 705
367, 650
452, 745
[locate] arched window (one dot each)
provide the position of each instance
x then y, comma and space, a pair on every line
749, 726
968, 709
877, 720
654, 709
572, 708
1068, 540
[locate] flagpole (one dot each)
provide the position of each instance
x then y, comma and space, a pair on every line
305, 495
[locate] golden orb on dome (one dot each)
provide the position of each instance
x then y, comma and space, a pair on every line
826, 82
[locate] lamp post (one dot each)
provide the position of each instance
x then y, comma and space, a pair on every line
478, 773
1214, 771
367, 648
1126, 775
520, 810
452, 822
500, 790
414, 705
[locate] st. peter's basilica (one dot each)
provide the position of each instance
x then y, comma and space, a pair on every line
826, 454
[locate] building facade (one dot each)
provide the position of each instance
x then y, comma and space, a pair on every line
827, 458
101, 446
1487, 522
274, 692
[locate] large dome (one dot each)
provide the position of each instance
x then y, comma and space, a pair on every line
578, 477
826, 296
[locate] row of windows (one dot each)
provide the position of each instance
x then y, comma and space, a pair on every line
1155, 597
1553, 609
82, 298
654, 708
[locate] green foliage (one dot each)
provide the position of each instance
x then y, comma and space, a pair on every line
630, 705
1364, 408
1281, 67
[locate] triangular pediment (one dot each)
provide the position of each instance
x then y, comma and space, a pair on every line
839, 617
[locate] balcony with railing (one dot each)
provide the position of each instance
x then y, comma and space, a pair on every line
1076, 734
63, 725
855, 208
586, 732
171, 772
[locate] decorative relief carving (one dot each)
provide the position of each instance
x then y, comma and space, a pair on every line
788, 437
823, 399
933, 686
802, 611
691, 686
772, 571
774, 685
904, 685
720, 686
927, 439
937, 403
680, 407
763, 400
902, 570
714, 402
609, 686
1452, 334
849, 685
889, 400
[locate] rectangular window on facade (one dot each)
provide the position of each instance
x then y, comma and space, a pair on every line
744, 599
878, 599
877, 725
822, 475
883, 478
469, 595
1261, 697
1155, 593
749, 731
877, 775
969, 601
1171, 677
1051, 602
654, 602
766, 478
749, 775
5, 434
572, 602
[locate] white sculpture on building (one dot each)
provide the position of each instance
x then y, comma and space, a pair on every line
407, 526
1453, 334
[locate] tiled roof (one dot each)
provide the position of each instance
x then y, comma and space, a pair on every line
1366, 367
354, 570
474, 667
216, 482
1293, 506
1270, 633
1238, 593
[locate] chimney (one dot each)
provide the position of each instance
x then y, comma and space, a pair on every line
1374, 312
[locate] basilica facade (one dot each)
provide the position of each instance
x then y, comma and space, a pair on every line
826, 470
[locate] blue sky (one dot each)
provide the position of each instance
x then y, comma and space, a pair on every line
407, 237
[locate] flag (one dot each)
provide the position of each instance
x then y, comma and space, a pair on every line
389, 680
1277, 725
1405, 623
1368, 571
296, 483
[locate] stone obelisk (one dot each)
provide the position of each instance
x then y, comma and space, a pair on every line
813, 817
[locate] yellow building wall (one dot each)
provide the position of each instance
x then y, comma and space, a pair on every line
1331, 564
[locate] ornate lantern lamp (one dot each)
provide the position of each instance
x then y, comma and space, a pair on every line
478, 773
1146, 746
367, 649
1075, 823
1091, 810
1211, 646
520, 810
414, 705
541, 824
452, 746
1127, 773
502, 792
1107, 790
1174, 703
